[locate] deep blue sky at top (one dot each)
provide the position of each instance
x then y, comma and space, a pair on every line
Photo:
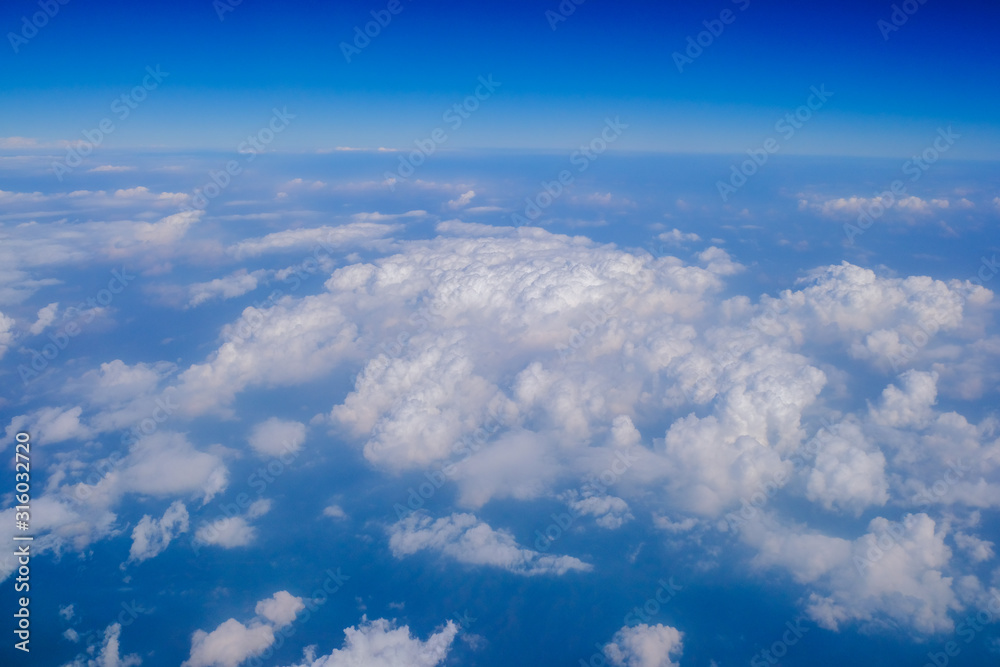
607, 58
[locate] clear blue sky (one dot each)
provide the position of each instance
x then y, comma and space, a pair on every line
607, 58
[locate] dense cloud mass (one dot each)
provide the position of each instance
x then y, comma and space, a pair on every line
522, 365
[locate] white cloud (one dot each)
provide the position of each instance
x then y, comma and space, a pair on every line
909, 406
848, 473
676, 236
359, 233
609, 512
235, 284
466, 539
46, 316
151, 537
233, 642
894, 574
979, 550
380, 643
645, 646
259, 508
462, 200
228, 532
50, 425
160, 465
275, 437
108, 168
109, 655
280, 609
334, 512
229, 644
6, 333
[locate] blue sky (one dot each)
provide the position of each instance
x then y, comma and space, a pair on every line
603, 59
609, 364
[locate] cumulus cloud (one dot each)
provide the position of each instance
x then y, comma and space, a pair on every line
228, 532
645, 646
151, 536
528, 361
275, 437
848, 473
159, 465
233, 642
466, 539
50, 425
893, 574
910, 406
380, 643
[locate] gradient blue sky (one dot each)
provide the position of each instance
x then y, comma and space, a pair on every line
557, 85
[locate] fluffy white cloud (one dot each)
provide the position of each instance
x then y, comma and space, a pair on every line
609, 511
229, 644
151, 536
380, 643
228, 532
50, 425
909, 406
280, 609
164, 464
275, 437
645, 646
894, 574
466, 539
529, 361
233, 642
848, 473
